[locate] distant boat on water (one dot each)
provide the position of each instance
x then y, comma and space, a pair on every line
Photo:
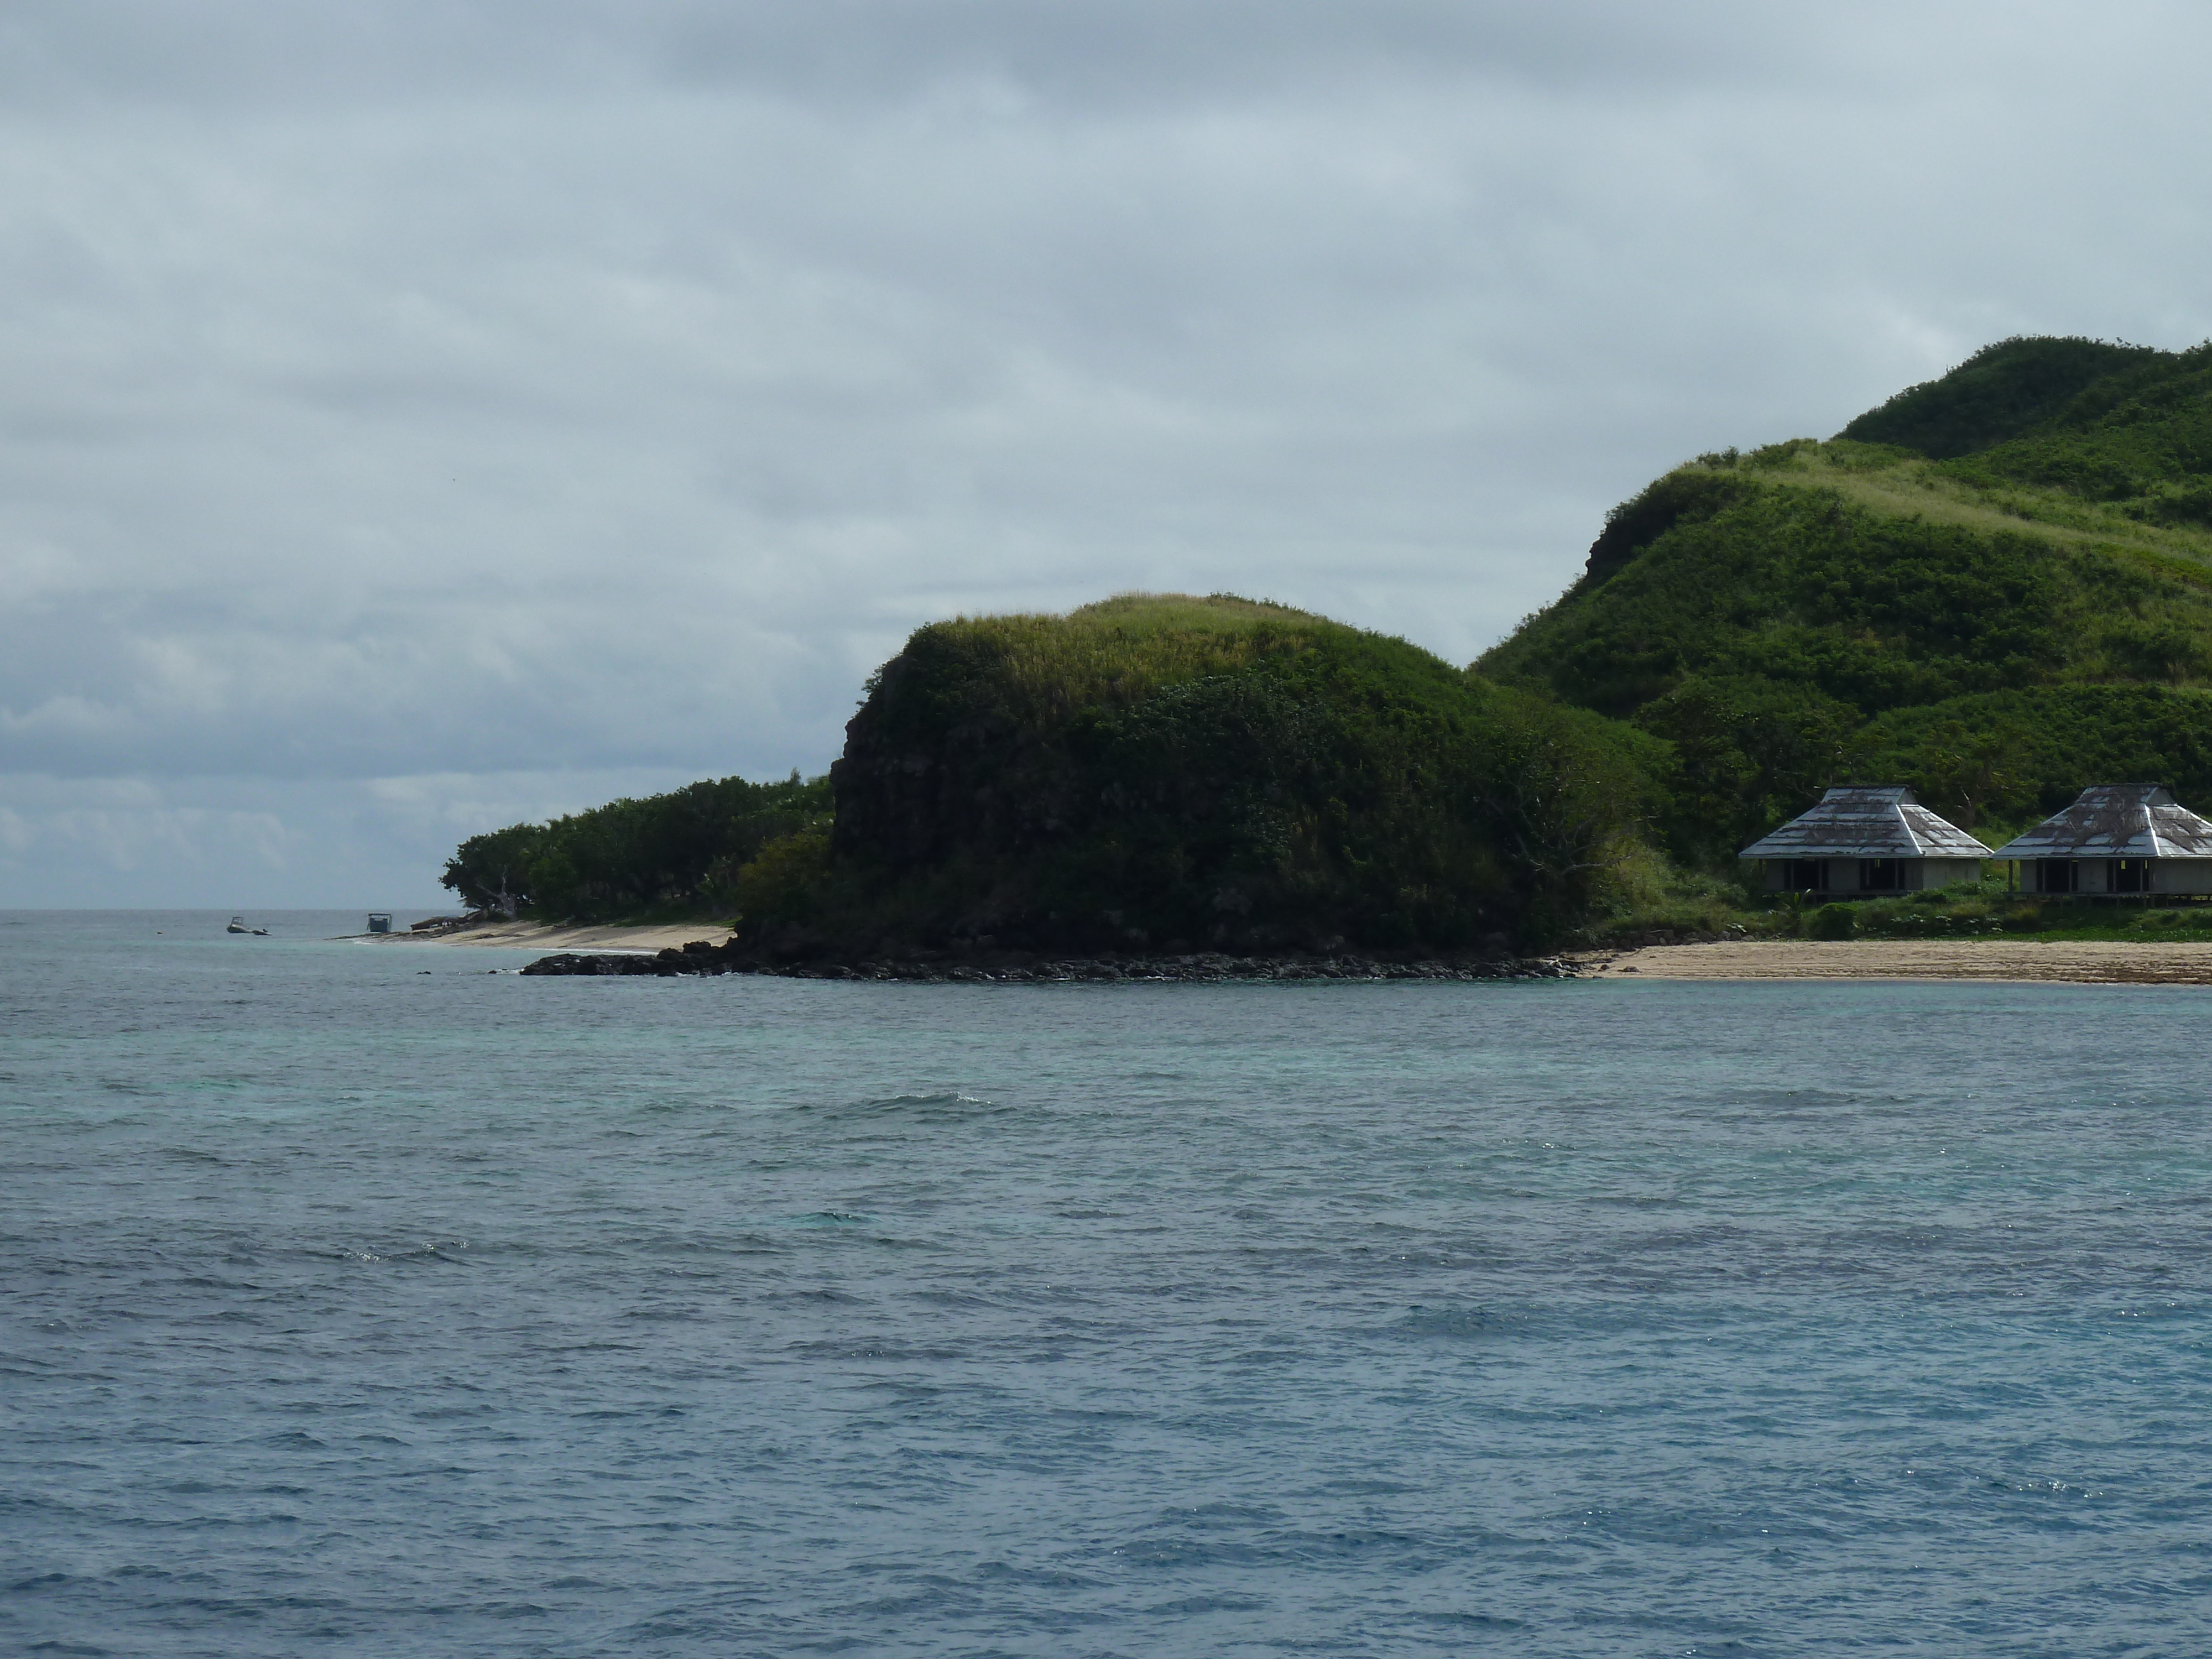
238, 926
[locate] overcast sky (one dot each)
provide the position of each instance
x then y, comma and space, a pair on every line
417, 416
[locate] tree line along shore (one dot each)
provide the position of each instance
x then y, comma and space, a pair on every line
1995, 589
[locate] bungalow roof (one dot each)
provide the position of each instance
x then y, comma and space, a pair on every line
2117, 821
1885, 823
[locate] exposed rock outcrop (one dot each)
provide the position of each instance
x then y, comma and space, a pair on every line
701, 958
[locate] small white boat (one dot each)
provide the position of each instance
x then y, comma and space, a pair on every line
238, 926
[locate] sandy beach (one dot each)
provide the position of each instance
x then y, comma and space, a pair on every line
2089, 962
537, 936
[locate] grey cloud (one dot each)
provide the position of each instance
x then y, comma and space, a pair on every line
1071, 52
1073, 55
477, 392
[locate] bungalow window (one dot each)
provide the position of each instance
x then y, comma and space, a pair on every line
2130, 875
2056, 876
1804, 876
1881, 875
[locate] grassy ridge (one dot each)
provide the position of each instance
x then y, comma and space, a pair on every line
1996, 588
1876, 582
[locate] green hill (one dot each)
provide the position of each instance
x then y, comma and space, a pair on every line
1165, 772
1997, 587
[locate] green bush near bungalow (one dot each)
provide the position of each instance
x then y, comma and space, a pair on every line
1982, 914
1985, 910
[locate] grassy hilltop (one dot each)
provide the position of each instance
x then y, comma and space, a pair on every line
1997, 587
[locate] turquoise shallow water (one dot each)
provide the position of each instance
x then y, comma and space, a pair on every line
349, 1308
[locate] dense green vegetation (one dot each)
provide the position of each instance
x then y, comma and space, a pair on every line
676, 854
1165, 771
1996, 588
2010, 758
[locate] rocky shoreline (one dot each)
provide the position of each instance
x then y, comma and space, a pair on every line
701, 958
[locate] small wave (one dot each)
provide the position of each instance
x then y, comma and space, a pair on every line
431, 1251
934, 1109
707, 1249
876, 1348
1450, 1323
1191, 1607
959, 1300
1451, 1618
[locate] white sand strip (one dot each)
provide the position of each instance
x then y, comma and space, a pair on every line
2087, 962
537, 936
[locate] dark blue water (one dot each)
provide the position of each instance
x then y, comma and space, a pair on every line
346, 1308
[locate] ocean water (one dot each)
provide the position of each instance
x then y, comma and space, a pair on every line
357, 1300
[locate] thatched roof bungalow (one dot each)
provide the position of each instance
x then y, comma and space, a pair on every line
2117, 838
1863, 842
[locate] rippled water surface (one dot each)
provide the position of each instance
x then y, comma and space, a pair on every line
347, 1308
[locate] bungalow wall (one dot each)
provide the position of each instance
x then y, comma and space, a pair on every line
2124, 876
2181, 875
1867, 878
